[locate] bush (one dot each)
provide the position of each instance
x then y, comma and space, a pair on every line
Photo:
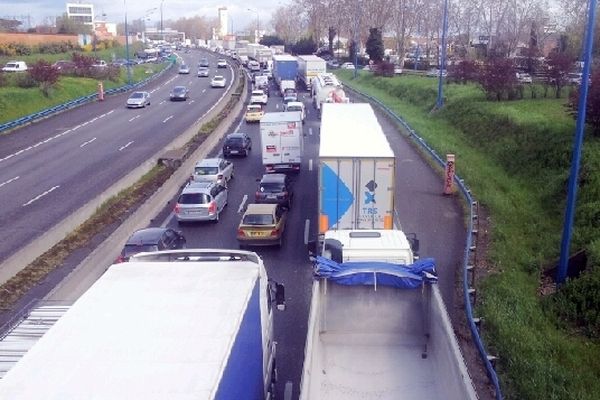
26, 81
384, 68
3, 80
43, 72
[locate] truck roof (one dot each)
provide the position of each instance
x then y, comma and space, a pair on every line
284, 57
373, 245
144, 330
310, 57
272, 117
352, 130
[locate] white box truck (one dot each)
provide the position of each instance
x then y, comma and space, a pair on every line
281, 141
180, 324
378, 327
356, 170
309, 66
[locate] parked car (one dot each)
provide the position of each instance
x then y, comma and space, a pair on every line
216, 170
184, 69
138, 99
254, 113
262, 225
218, 81
398, 70
221, 63
179, 93
152, 239
238, 143
203, 72
523, 77
435, 72
201, 201
333, 64
15, 66
99, 64
64, 66
275, 189
347, 65
296, 106
258, 96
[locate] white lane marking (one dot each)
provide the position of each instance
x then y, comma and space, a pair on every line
191, 101
162, 102
310, 164
41, 195
134, 118
190, 83
55, 136
243, 204
306, 230
310, 131
86, 143
126, 146
9, 181
203, 90
216, 102
168, 118
277, 106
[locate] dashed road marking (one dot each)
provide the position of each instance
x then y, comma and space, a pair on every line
126, 146
88, 142
41, 195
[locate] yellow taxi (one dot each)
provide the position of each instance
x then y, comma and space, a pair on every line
262, 225
254, 113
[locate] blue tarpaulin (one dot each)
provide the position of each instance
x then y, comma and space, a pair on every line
377, 273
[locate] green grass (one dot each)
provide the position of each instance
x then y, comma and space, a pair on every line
514, 156
17, 102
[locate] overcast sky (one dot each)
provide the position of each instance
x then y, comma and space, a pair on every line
40, 10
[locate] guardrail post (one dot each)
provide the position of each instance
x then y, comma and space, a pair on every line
100, 91
449, 174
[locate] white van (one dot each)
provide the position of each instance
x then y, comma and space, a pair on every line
15, 66
296, 106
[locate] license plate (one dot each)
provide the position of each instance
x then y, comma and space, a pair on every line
272, 197
233, 151
258, 233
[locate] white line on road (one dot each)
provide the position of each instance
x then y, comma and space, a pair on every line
310, 131
277, 106
75, 128
191, 101
86, 143
203, 90
306, 230
126, 146
162, 102
9, 181
310, 164
134, 118
243, 204
41, 195
168, 118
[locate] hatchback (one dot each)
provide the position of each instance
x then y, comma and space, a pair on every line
203, 72
238, 143
138, 99
262, 225
152, 239
201, 201
218, 81
296, 106
275, 188
254, 113
179, 93
184, 69
258, 96
347, 65
216, 170
221, 63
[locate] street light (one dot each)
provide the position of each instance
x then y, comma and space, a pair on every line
256, 38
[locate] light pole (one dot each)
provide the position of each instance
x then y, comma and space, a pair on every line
127, 45
257, 37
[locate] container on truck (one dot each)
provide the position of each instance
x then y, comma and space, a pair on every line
356, 170
326, 88
178, 324
378, 327
309, 66
282, 141
285, 67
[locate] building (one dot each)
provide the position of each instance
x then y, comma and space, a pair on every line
223, 22
80, 12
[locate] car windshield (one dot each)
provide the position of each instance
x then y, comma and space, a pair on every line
257, 93
254, 109
206, 170
179, 90
294, 108
194, 198
271, 187
131, 249
137, 95
258, 219
234, 140
218, 78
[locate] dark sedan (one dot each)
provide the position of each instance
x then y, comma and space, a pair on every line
237, 144
179, 93
152, 239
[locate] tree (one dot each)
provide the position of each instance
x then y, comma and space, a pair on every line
304, 46
463, 72
44, 74
498, 78
9, 25
592, 112
559, 65
331, 32
271, 40
374, 46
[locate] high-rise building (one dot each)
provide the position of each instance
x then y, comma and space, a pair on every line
82, 13
223, 22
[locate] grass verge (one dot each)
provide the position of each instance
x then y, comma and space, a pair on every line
514, 157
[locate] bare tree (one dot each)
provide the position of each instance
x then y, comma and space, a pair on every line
289, 22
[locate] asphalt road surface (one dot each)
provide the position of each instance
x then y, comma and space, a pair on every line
51, 168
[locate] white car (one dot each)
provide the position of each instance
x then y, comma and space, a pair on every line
347, 65
397, 70
218, 81
221, 63
138, 100
216, 170
203, 72
523, 77
258, 96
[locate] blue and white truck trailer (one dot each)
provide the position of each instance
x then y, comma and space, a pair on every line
356, 170
181, 324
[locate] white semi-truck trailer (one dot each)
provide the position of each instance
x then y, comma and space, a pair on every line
181, 324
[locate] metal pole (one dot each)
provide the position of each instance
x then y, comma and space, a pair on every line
127, 45
440, 98
579, 131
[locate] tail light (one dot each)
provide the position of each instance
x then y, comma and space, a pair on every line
177, 208
120, 259
257, 195
275, 232
240, 232
212, 207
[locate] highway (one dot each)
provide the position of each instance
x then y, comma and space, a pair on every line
51, 168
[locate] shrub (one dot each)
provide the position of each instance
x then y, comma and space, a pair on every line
44, 73
26, 81
384, 68
498, 78
3, 80
463, 72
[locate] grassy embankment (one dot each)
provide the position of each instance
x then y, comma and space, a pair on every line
16, 102
515, 157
